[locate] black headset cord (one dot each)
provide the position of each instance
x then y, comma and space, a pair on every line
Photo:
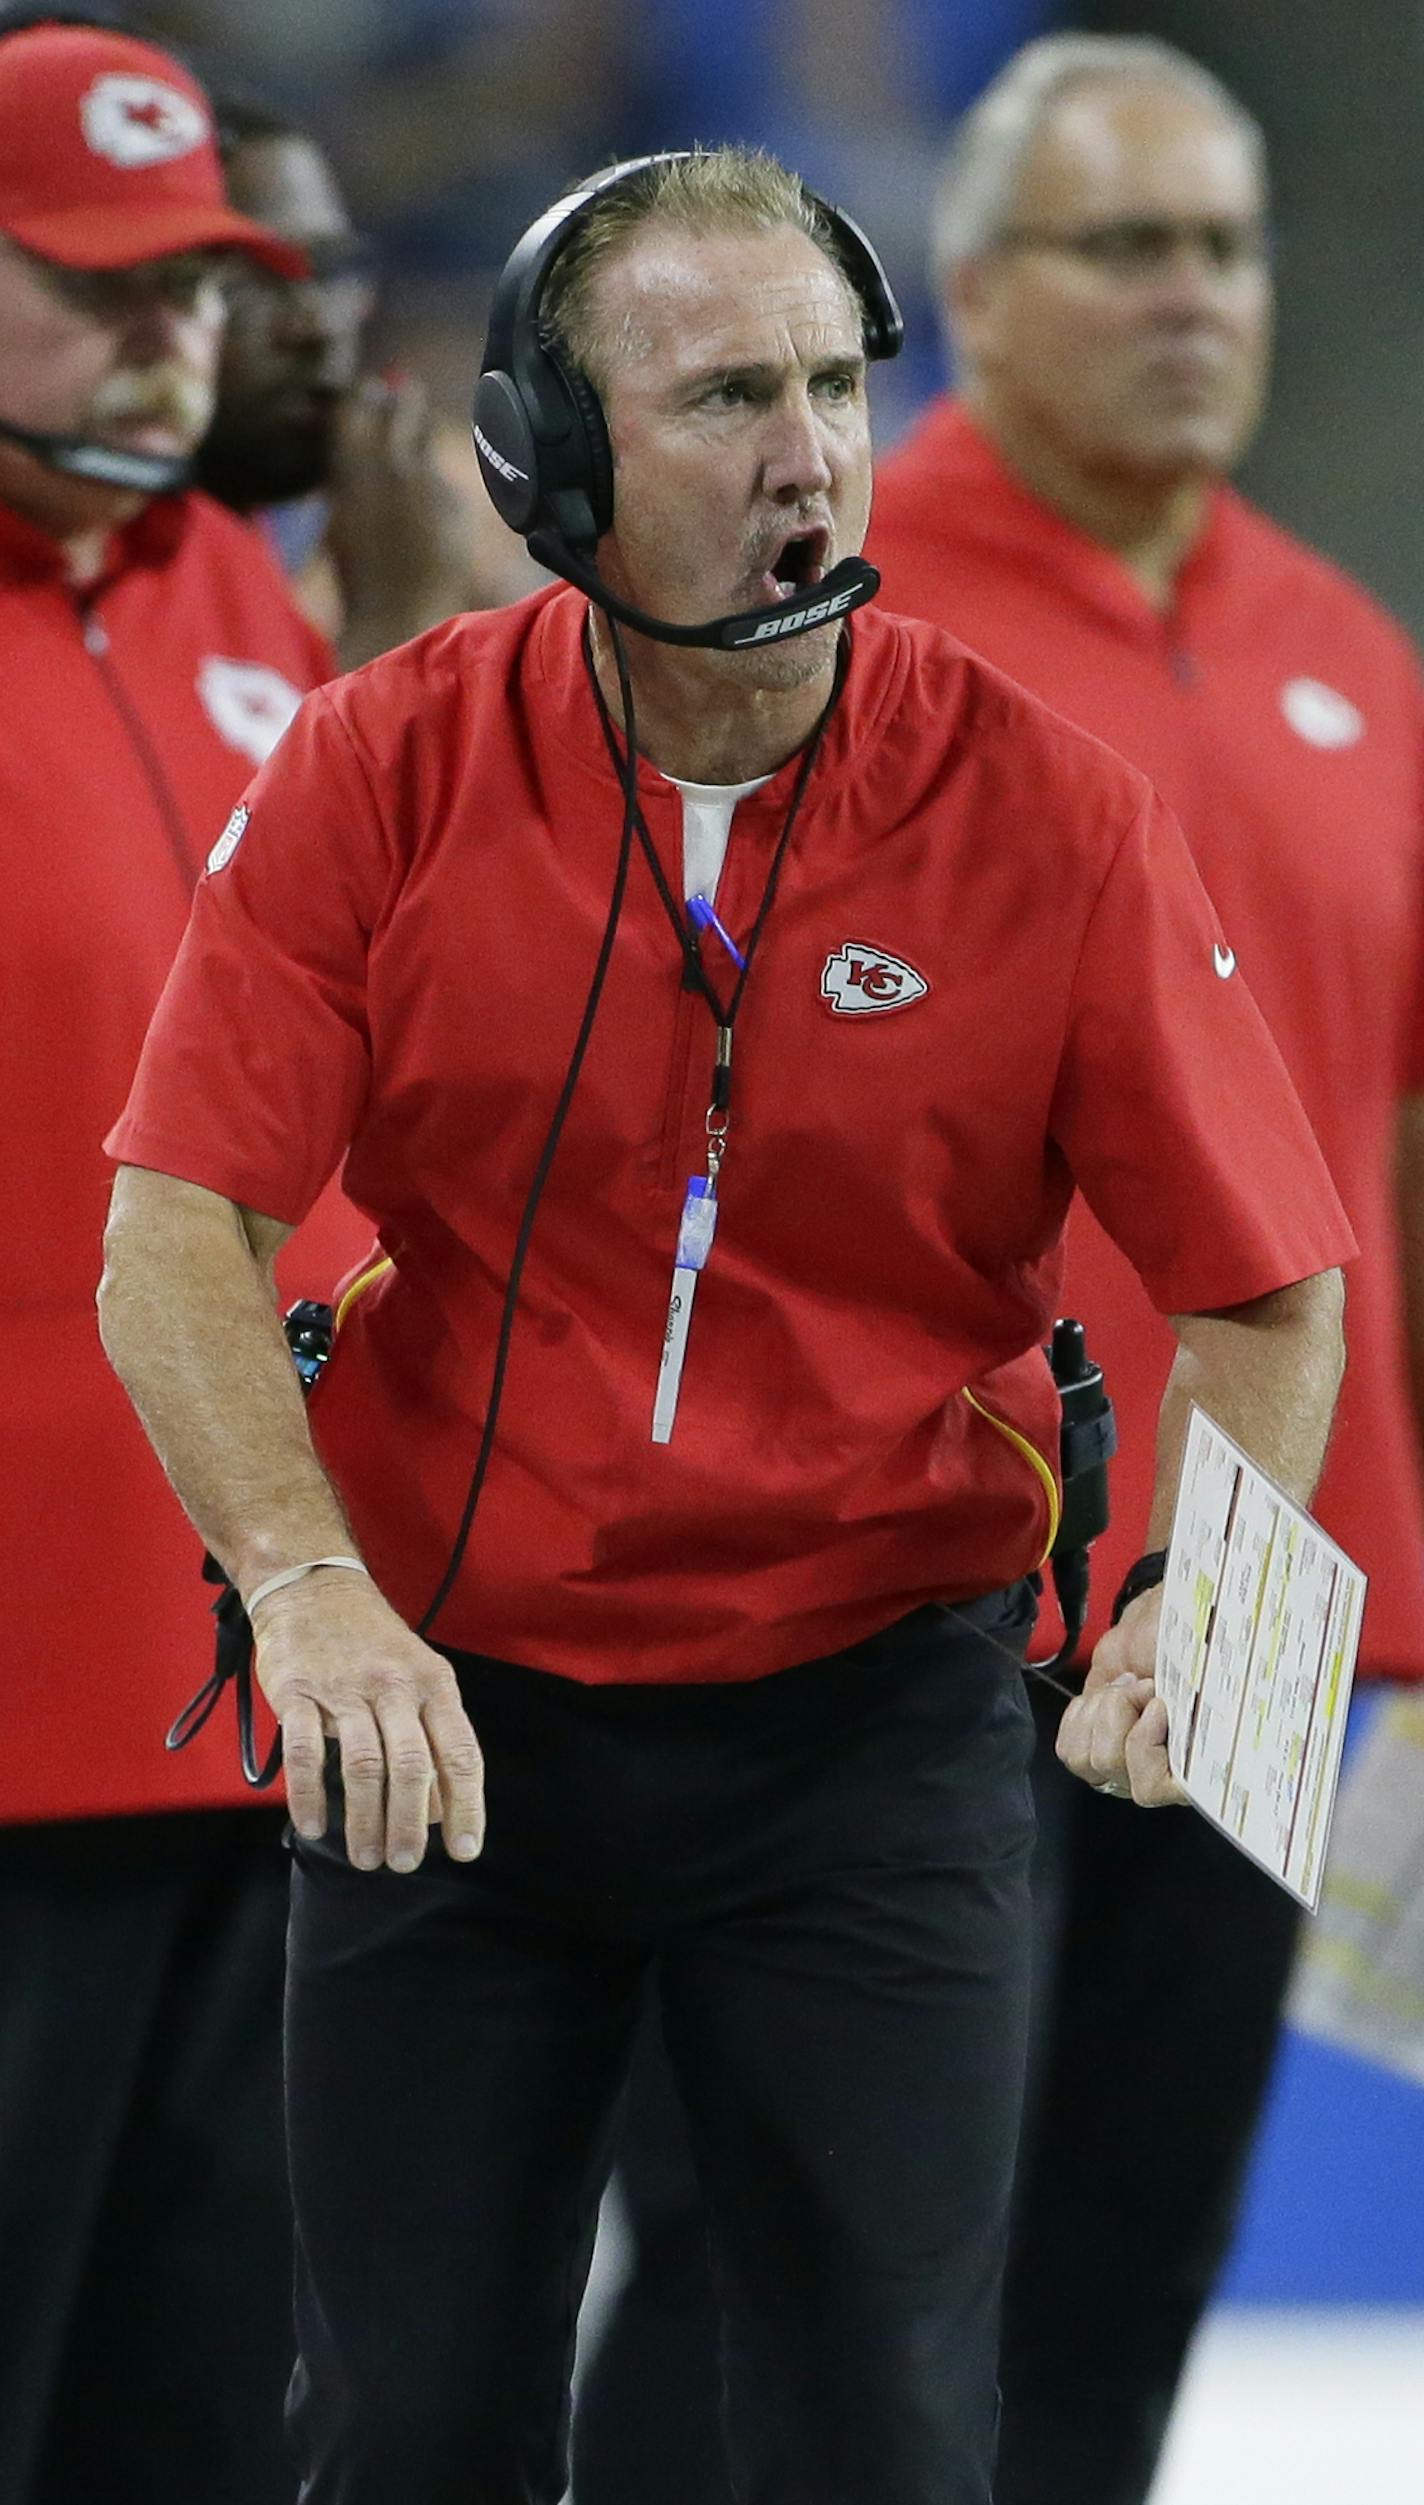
546, 1155
626, 766
724, 1013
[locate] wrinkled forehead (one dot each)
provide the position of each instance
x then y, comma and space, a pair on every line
1117, 148
678, 302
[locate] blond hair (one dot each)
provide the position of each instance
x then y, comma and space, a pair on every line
709, 191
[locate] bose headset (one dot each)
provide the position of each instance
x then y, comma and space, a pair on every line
542, 438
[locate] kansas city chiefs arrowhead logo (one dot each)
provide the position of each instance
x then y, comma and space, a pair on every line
859, 980
140, 121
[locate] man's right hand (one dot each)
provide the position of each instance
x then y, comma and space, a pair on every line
335, 1662
398, 534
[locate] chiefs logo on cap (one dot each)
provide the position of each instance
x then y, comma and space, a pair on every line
139, 121
860, 980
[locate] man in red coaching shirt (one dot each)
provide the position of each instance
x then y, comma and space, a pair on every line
152, 658
1101, 245
738, 1625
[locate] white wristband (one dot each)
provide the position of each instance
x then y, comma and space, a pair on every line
293, 1574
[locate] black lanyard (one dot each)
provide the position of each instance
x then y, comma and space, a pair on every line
694, 973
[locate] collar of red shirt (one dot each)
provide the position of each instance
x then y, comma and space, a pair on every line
957, 486
865, 752
152, 538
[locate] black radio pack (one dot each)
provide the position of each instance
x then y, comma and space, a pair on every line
1087, 1440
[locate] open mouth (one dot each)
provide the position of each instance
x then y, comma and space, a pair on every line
797, 564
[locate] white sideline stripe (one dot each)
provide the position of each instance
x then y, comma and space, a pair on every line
1287, 2407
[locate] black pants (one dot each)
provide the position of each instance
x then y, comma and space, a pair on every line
648, 2417
825, 1875
145, 2244
1161, 1959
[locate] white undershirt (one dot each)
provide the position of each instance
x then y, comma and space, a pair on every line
706, 826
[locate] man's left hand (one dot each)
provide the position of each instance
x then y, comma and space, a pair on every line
1114, 1735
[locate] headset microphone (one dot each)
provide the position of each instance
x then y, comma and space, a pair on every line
145, 473
846, 587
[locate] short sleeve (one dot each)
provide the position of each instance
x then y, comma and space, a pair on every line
256, 1067
1174, 1108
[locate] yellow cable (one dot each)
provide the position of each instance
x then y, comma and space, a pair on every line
1036, 1462
360, 1284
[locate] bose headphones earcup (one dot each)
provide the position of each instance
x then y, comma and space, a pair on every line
560, 477
504, 442
595, 454
539, 428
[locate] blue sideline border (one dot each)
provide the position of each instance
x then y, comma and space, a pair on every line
1334, 2207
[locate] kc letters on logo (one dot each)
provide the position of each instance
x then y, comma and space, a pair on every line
860, 980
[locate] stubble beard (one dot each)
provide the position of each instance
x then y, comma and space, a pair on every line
782, 668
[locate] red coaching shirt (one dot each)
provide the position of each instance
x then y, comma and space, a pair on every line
1278, 711
987, 973
134, 716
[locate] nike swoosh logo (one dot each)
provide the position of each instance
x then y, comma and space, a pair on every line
1224, 960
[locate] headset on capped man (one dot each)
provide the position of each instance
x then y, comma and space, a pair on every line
81, 456
149, 473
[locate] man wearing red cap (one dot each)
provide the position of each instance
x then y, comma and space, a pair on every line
152, 657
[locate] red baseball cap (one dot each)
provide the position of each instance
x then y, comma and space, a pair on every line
108, 156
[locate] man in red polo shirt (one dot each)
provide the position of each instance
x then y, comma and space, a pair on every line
1101, 246
152, 658
720, 1239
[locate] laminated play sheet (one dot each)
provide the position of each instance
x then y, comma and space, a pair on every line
1256, 1655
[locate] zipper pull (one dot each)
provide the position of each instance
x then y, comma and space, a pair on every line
95, 633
